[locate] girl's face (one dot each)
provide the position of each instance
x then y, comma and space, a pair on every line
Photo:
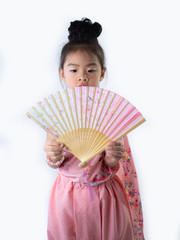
81, 69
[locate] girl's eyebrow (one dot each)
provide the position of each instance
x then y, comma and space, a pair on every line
72, 64
88, 65
92, 64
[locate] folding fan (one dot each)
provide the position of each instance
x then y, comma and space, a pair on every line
86, 119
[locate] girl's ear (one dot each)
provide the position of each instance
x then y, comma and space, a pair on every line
103, 74
61, 74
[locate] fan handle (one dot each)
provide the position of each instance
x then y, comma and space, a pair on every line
83, 164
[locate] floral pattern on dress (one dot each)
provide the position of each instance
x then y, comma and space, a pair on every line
132, 193
88, 170
65, 165
104, 174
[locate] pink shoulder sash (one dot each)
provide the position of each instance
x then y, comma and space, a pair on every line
128, 177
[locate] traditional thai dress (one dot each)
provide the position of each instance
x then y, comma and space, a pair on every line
97, 202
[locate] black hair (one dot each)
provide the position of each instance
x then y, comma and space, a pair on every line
83, 35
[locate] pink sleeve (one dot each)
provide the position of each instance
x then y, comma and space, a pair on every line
128, 177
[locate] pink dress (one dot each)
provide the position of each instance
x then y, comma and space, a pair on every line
96, 203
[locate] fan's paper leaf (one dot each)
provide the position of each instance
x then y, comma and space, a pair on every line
85, 119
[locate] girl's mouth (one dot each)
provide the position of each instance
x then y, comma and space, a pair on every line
82, 85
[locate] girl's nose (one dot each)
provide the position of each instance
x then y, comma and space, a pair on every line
83, 78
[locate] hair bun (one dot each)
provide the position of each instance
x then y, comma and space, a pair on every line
84, 31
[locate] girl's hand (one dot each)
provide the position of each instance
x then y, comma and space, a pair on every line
114, 152
53, 149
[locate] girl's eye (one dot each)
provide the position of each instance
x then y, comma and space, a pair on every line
73, 70
91, 70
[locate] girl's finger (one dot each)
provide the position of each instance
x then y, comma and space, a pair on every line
51, 148
115, 143
54, 154
115, 153
55, 159
115, 148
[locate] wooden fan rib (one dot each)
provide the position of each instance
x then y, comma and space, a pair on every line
70, 108
85, 163
91, 107
54, 115
81, 107
55, 134
68, 143
49, 116
65, 112
77, 139
63, 136
74, 142
66, 139
85, 124
96, 108
131, 120
60, 115
88, 137
130, 129
97, 127
120, 121
121, 129
81, 117
83, 103
76, 107
126, 125
69, 140
86, 107
112, 112
98, 137
102, 146
91, 136
119, 114
41, 125
45, 119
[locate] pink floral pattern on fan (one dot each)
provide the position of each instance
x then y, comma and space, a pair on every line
103, 114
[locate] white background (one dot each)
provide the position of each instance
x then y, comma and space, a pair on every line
141, 40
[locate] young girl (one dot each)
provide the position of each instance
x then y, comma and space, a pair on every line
101, 201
